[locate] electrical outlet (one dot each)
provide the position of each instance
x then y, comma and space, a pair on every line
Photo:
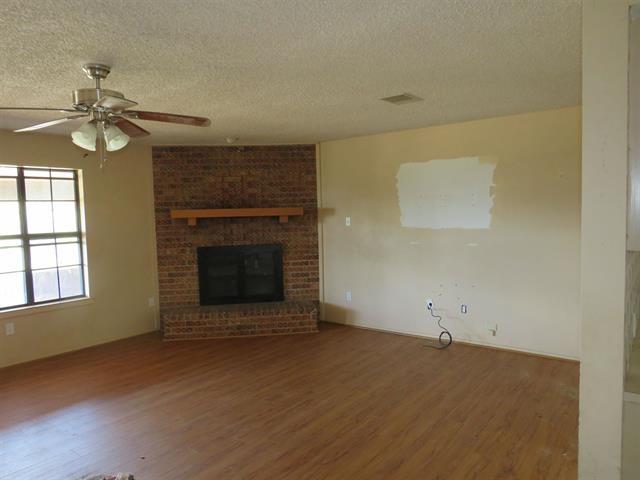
152, 301
429, 304
463, 309
347, 221
9, 328
347, 296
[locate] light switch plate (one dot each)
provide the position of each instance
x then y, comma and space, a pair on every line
9, 328
347, 221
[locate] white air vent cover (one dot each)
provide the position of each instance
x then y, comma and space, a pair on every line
402, 99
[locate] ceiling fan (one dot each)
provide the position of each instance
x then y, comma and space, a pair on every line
109, 123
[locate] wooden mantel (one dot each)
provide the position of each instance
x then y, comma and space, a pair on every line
283, 213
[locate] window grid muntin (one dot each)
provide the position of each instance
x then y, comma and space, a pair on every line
26, 237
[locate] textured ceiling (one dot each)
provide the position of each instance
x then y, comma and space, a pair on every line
278, 71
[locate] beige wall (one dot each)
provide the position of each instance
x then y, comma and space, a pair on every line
121, 256
633, 214
631, 408
631, 435
521, 273
603, 237
632, 303
633, 220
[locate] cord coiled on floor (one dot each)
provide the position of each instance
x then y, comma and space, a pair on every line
442, 344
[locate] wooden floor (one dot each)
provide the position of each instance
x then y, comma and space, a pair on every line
341, 404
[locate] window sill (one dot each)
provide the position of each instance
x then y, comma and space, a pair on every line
48, 307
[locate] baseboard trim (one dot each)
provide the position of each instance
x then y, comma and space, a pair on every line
464, 342
80, 349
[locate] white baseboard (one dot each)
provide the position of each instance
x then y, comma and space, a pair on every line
475, 343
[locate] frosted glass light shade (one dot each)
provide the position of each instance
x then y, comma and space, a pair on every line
85, 137
115, 138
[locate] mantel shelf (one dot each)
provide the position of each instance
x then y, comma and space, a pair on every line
192, 216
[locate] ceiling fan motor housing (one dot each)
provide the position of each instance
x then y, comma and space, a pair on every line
86, 97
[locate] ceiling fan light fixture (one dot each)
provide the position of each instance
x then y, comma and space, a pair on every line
115, 138
85, 136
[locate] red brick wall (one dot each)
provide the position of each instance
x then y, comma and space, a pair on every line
233, 177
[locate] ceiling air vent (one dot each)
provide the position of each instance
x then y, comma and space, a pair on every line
402, 99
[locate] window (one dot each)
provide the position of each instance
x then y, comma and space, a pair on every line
41, 250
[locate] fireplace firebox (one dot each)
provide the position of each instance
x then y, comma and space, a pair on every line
240, 274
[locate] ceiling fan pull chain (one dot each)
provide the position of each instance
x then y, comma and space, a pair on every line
101, 145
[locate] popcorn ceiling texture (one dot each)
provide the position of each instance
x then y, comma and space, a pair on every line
295, 71
235, 177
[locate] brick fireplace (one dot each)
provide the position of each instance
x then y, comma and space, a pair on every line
235, 177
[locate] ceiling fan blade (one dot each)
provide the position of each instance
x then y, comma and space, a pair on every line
63, 110
50, 123
129, 128
114, 103
169, 118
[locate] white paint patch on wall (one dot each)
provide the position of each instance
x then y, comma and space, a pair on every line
447, 193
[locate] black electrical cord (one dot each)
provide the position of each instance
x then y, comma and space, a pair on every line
442, 344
